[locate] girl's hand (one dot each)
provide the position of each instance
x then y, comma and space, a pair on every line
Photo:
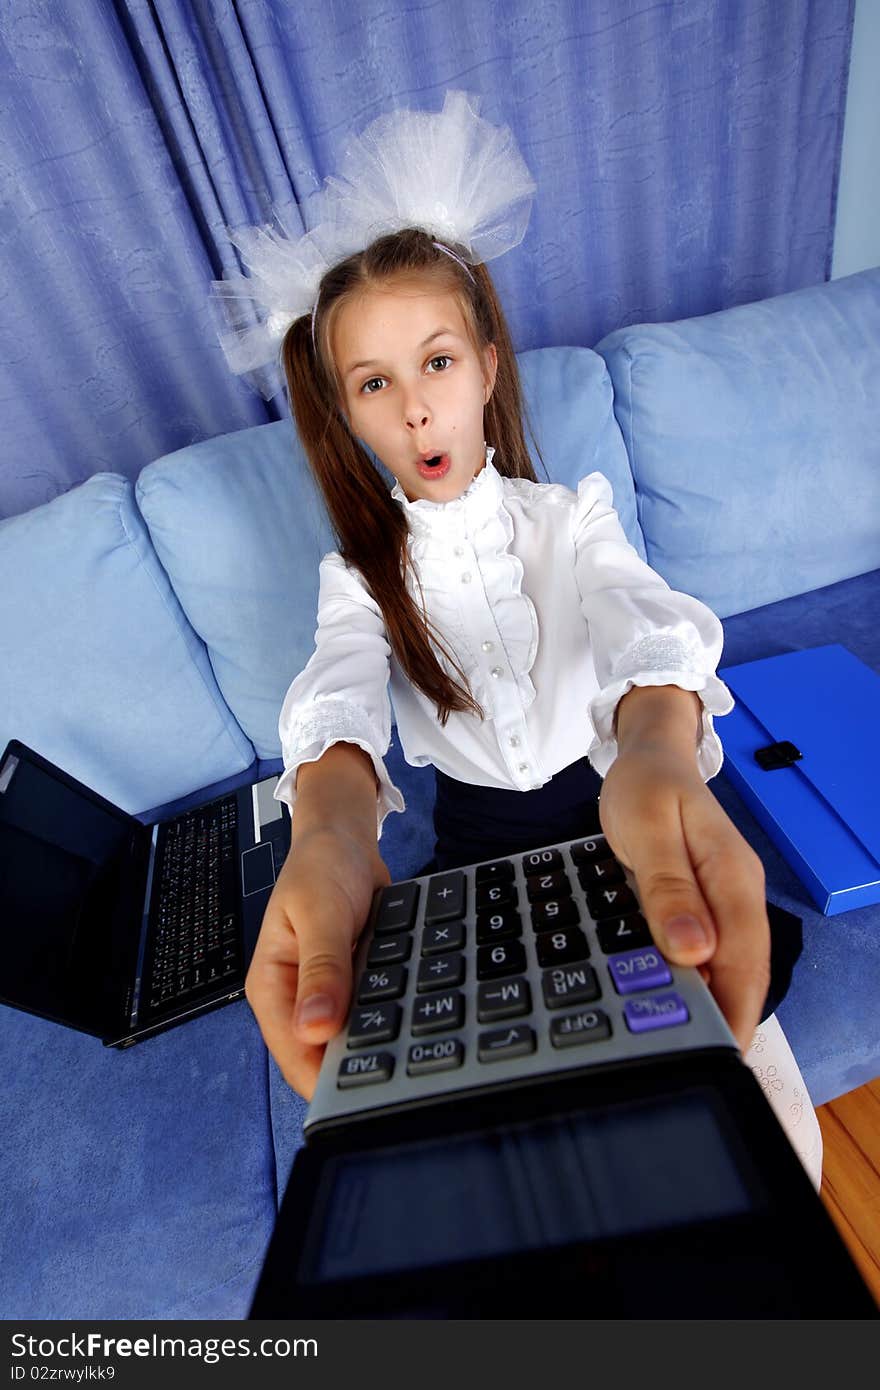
700, 883
300, 978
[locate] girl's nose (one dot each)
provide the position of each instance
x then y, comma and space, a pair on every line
416, 414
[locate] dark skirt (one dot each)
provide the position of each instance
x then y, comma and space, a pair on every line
475, 824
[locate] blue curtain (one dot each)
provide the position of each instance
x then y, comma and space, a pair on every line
686, 154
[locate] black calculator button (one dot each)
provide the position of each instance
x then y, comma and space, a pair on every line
374, 1023
442, 1054
569, 984
490, 896
516, 1041
598, 872
365, 1068
621, 933
505, 958
390, 950
582, 851
446, 936
397, 907
540, 887
557, 912
588, 1025
446, 897
437, 1013
499, 870
498, 999
503, 925
542, 861
562, 946
382, 982
612, 901
439, 972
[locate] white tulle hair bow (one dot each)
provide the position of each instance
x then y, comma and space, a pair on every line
450, 173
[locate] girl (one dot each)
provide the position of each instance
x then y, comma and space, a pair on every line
529, 650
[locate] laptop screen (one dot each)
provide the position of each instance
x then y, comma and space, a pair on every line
64, 853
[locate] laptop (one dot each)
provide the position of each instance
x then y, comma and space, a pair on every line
121, 929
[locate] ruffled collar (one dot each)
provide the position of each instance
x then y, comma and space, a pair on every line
476, 505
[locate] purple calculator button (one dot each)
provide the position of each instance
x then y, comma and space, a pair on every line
657, 1011
643, 968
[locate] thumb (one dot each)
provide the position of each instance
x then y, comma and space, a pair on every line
678, 916
325, 976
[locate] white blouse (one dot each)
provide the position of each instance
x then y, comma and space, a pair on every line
551, 614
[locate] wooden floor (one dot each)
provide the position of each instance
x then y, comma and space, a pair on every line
851, 1175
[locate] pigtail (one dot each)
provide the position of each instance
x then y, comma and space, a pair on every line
370, 527
505, 412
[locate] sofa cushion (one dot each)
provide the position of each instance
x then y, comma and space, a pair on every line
240, 527
143, 1181
570, 404
754, 439
102, 674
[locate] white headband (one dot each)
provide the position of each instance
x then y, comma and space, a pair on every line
450, 173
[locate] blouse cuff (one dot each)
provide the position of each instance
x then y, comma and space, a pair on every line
329, 722
714, 694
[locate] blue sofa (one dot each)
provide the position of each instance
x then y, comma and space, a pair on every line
149, 635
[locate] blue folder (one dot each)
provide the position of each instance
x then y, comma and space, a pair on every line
822, 811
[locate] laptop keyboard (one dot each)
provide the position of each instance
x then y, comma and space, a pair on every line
194, 944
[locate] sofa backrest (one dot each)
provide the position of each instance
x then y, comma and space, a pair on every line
240, 528
101, 672
754, 439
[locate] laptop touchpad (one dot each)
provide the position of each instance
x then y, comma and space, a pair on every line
257, 869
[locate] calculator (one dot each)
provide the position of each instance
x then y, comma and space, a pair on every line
530, 1113
502, 972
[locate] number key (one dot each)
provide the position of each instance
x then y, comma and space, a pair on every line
542, 861
622, 933
495, 895
557, 912
561, 947
541, 887
585, 850
598, 872
498, 926
507, 958
612, 901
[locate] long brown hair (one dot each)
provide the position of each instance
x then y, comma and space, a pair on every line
370, 526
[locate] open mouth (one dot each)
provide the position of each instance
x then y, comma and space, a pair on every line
436, 466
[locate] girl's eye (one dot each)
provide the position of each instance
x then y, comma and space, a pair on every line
370, 387
444, 359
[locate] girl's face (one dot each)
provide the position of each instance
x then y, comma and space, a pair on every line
414, 387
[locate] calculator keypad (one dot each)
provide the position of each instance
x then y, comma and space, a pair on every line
504, 971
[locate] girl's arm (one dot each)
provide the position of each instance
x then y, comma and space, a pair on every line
300, 979
701, 885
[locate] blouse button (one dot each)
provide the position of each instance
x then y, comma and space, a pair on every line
523, 767
459, 550
488, 646
496, 672
466, 577
514, 740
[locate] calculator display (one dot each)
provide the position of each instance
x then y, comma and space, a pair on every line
562, 1179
